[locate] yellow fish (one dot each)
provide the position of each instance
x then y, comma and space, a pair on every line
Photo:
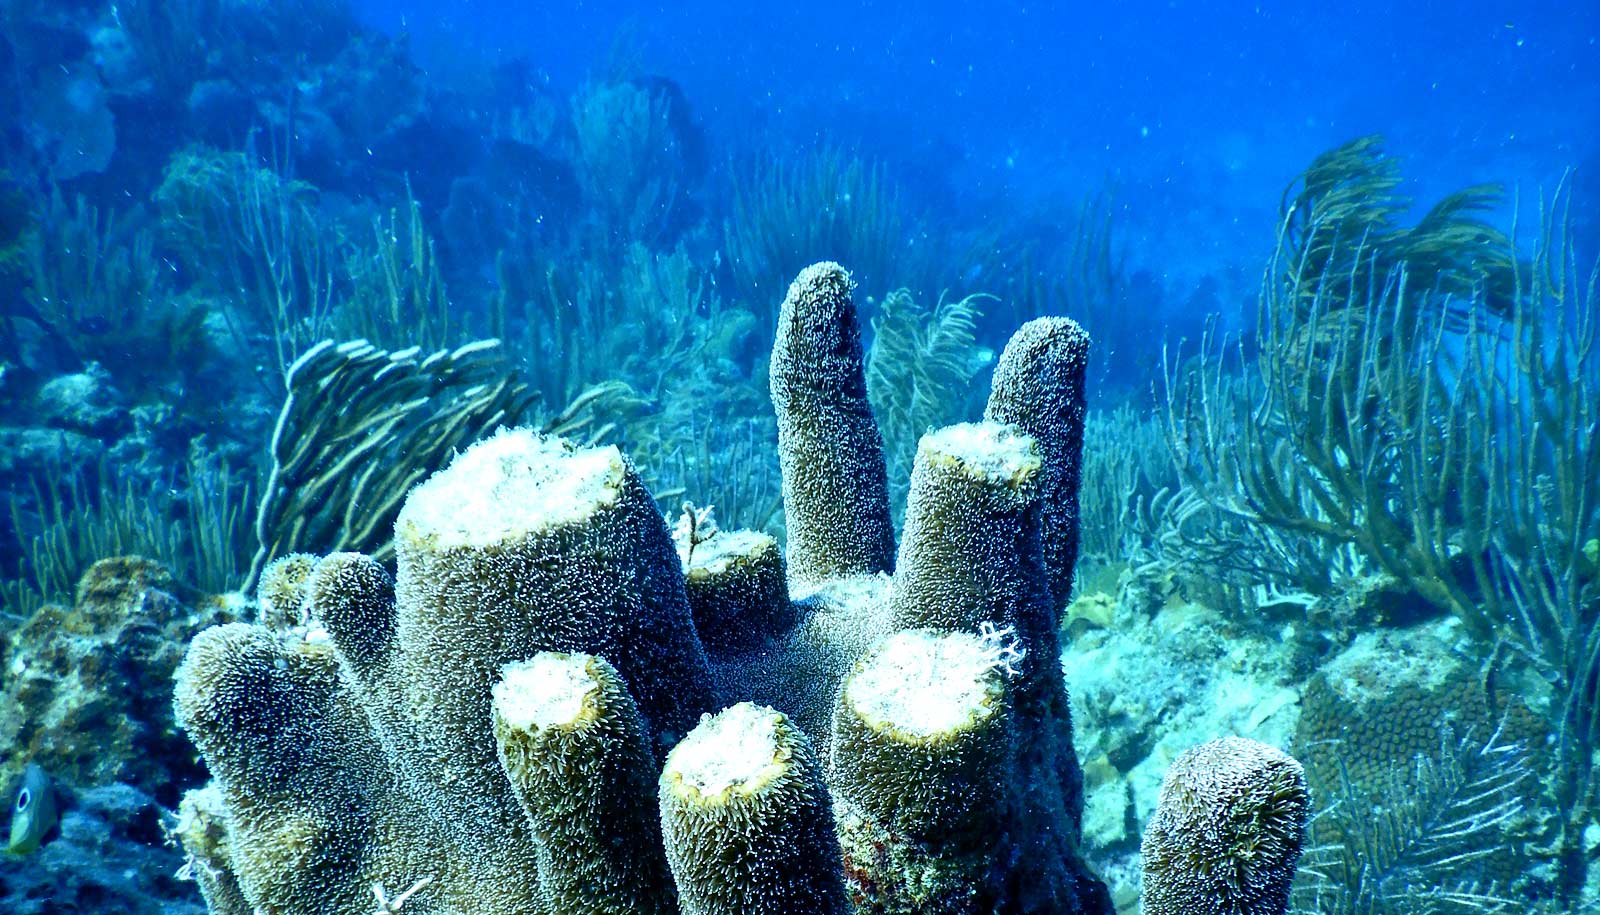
34, 813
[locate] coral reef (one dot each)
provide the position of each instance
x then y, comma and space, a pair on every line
1372, 538
84, 687
83, 698
586, 566
478, 734
111, 857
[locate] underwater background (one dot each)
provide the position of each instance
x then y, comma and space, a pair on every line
266, 266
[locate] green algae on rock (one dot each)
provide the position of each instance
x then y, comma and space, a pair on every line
84, 689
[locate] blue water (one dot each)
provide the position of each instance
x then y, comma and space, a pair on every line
1196, 114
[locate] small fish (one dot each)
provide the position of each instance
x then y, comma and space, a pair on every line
33, 816
93, 326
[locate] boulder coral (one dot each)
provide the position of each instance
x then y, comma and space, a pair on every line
520, 719
1227, 833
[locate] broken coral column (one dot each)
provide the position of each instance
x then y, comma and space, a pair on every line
746, 819
573, 746
738, 591
972, 560
527, 544
920, 769
971, 552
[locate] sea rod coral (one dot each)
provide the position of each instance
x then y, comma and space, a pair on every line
520, 719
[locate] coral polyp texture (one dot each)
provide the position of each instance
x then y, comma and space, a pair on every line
1227, 832
835, 487
574, 748
524, 717
747, 821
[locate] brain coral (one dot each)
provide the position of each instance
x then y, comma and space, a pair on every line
520, 719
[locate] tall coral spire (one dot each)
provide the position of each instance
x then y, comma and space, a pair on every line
835, 487
1039, 386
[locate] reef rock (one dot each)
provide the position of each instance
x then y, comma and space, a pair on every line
1147, 688
83, 401
85, 693
111, 858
